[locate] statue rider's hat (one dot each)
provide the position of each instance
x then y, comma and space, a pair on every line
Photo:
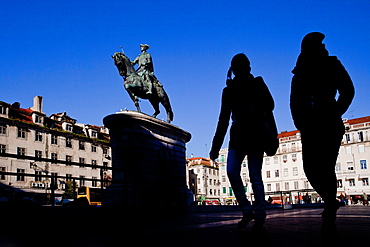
145, 46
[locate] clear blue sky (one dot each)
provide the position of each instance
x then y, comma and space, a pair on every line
61, 51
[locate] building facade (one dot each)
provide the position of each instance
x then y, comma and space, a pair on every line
352, 167
58, 146
203, 180
283, 174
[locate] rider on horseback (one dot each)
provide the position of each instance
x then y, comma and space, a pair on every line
145, 69
142, 83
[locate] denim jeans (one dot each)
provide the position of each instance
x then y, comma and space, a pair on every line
234, 163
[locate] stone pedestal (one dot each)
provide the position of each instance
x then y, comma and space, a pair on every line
148, 159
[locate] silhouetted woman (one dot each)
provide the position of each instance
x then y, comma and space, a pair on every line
245, 99
317, 114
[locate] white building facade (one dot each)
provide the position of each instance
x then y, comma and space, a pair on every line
32, 143
283, 175
203, 180
352, 168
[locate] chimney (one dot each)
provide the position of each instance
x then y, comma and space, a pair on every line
37, 104
16, 105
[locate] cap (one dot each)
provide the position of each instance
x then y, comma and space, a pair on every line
312, 40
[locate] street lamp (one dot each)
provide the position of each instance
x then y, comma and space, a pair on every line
35, 167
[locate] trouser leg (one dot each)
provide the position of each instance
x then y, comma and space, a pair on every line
255, 161
319, 160
234, 162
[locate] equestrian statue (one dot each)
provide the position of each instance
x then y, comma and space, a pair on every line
142, 83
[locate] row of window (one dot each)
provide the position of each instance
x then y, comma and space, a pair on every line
268, 174
349, 149
286, 186
66, 127
351, 137
284, 147
22, 134
211, 192
210, 171
284, 159
285, 172
211, 181
38, 177
352, 182
351, 166
363, 166
269, 187
54, 156
268, 160
68, 144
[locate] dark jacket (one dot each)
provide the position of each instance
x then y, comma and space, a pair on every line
245, 100
314, 89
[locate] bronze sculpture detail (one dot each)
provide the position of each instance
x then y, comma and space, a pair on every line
142, 83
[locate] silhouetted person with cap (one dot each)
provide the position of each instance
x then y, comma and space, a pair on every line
245, 99
317, 114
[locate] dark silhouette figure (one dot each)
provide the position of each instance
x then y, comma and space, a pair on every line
246, 99
317, 114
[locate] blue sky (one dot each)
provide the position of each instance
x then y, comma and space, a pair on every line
61, 51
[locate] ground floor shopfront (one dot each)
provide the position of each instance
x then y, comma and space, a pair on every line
305, 196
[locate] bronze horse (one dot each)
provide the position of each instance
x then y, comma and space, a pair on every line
136, 88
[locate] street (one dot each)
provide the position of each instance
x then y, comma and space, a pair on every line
98, 227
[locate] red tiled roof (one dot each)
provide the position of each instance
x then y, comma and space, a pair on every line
358, 120
22, 114
28, 110
95, 127
288, 134
195, 158
203, 161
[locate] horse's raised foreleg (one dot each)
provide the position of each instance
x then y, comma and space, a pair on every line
155, 104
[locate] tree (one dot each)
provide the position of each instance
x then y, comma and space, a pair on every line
69, 191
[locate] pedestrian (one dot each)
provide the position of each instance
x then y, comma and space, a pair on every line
365, 199
317, 79
247, 100
270, 200
300, 199
347, 198
307, 199
341, 197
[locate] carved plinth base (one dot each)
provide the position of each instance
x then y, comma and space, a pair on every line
148, 159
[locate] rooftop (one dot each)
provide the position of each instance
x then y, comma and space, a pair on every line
355, 122
55, 121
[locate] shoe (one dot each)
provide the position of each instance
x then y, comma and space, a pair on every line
258, 228
247, 217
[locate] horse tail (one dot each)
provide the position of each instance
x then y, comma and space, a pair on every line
165, 100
